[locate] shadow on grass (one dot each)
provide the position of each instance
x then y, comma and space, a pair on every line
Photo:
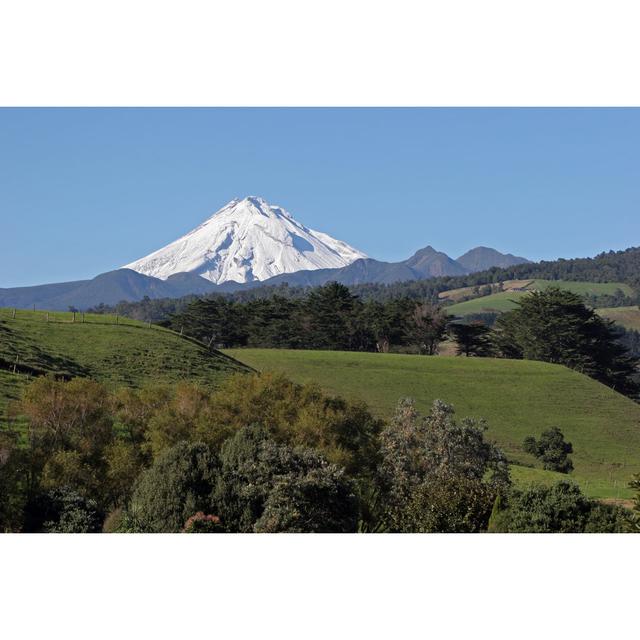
22, 356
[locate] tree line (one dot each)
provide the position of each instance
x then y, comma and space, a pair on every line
327, 317
553, 326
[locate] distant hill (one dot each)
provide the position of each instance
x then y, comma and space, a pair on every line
506, 300
423, 264
628, 317
107, 288
484, 258
130, 286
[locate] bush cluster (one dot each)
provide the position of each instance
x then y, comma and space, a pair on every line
262, 454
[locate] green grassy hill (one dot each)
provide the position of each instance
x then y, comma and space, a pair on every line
127, 353
628, 317
518, 398
505, 300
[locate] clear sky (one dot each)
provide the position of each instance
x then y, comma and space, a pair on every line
83, 191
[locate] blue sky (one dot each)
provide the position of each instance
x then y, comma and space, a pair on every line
83, 191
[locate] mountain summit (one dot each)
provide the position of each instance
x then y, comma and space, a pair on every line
482, 258
247, 240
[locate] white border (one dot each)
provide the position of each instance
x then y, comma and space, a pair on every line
277, 52
330, 52
305, 586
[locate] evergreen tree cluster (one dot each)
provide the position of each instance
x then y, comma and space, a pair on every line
328, 317
556, 326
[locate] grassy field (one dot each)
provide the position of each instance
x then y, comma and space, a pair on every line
496, 302
129, 353
458, 295
518, 398
628, 317
505, 300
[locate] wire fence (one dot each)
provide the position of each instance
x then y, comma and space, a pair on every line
74, 317
101, 319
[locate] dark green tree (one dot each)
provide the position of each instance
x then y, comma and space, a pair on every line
12, 483
555, 326
179, 484
609, 518
473, 339
330, 311
552, 449
275, 322
63, 510
215, 320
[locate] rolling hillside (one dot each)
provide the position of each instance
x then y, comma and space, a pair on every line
628, 317
505, 300
127, 353
518, 398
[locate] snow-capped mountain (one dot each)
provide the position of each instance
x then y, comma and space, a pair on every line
244, 241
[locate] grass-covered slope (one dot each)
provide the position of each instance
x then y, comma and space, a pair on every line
628, 317
505, 300
518, 398
128, 353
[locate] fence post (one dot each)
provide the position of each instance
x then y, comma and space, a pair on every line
14, 314
15, 365
117, 322
83, 317
74, 317
47, 316
181, 330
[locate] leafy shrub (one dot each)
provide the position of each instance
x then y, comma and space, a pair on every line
608, 518
12, 490
436, 474
68, 415
70, 426
203, 523
560, 508
320, 500
177, 485
63, 510
552, 449
124, 463
267, 487
297, 415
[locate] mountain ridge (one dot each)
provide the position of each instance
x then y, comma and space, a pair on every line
483, 258
128, 285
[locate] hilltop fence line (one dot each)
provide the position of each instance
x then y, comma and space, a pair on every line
75, 317
78, 317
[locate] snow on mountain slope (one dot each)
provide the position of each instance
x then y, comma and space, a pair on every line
247, 240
